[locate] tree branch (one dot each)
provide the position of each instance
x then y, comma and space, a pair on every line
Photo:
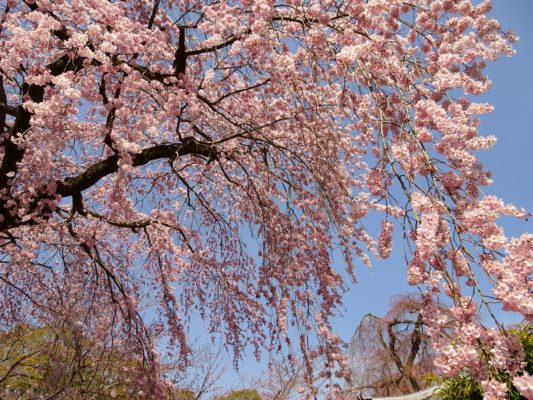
7, 109
153, 14
108, 166
180, 56
74, 185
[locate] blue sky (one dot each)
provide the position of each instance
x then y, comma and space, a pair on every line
511, 161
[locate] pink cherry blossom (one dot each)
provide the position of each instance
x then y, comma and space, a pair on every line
494, 390
524, 384
144, 145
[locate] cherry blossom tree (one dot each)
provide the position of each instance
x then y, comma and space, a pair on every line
145, 144
285, 379
245, 394
391, 355
201, 377
282, 380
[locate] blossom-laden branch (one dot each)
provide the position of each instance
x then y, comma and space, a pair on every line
290, 119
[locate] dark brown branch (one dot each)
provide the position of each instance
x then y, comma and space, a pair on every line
153, 14
108, 166
7, 109
257, 85
180, 56
305, 21
26, 295
139, 224
4, 108
72, 186
416, 340
13, 153
110, 120
77, 204
233, 38
392, 348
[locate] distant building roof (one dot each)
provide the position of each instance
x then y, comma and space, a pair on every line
426, 394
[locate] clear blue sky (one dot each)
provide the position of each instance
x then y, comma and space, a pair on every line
511, 161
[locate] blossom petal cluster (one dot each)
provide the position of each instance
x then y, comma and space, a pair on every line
145, 145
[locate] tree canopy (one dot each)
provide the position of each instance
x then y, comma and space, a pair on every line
40, 361
243, 394
145, 145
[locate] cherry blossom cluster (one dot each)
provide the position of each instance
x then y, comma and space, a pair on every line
164, 159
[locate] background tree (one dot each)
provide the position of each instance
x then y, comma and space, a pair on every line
184, 394
200, 378
38, 361
282, 379
243, 394
285, 379
392, 355
142, 141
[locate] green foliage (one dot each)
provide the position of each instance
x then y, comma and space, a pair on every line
464, 386
525, 333
38, 360
184, 394
246, 394
22, 361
